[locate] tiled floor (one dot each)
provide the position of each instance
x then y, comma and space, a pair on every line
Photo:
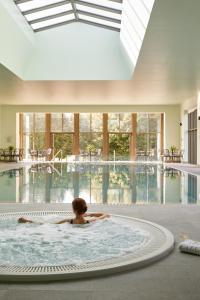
193, 169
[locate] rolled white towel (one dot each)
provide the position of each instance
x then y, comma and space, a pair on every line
190, 246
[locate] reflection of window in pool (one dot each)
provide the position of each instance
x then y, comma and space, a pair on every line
108, 183
192, 188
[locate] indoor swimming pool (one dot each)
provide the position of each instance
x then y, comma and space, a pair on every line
101, 183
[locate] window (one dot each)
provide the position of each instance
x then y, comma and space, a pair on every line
62, 122
33, 132
119, 127
68, 122
148, 135
119, 122
91, 135
91, 122
56, 122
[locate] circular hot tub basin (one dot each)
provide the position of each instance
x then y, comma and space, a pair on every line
145, 242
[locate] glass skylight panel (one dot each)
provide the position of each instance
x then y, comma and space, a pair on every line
99, 21
36, 3
52, 21
105, 3
44, 13
98, 11
135, 18
130, 44
132, 32
141, 10
149, 4
49, 12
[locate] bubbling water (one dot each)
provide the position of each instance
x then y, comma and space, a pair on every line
65, 244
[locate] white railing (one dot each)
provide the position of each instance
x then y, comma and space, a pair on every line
57, 153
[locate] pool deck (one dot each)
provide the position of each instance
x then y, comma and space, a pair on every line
176, 277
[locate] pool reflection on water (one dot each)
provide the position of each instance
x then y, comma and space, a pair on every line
99, 183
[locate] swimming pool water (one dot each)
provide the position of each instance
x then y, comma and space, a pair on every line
99, 183
65, 244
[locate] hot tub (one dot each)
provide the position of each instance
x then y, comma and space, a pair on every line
33, 252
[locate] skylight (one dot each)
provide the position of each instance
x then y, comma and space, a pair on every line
26, 5
51, 22
46, 14
49, 12
129, 17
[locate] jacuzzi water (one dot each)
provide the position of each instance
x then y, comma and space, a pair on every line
65, 244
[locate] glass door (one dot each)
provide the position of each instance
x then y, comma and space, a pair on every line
192, 137
119, 146
62, 144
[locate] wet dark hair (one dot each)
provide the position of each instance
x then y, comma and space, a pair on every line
79, 205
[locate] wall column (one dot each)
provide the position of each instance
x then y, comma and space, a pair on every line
133, 136
48, 131
161, 133
21, 135
198, 141
76, 147
105, 137
48, 138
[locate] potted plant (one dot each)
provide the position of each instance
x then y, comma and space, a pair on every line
10, 148
10, 154
173, 149
90, 148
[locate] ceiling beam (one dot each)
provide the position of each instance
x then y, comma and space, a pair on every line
118, 1
64, 13
54, 25
74, 21
74, 9
31, 11
24, 1
21, 1
98, 16
85, 3
98, 25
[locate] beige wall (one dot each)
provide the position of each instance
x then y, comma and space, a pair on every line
172, 118
0, 126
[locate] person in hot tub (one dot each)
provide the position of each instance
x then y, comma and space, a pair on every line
79, 208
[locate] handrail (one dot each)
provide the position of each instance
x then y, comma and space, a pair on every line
52, 166
59, 151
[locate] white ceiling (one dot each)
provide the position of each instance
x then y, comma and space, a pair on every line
168, 67
167, 72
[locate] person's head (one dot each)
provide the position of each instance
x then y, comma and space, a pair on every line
79, 206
